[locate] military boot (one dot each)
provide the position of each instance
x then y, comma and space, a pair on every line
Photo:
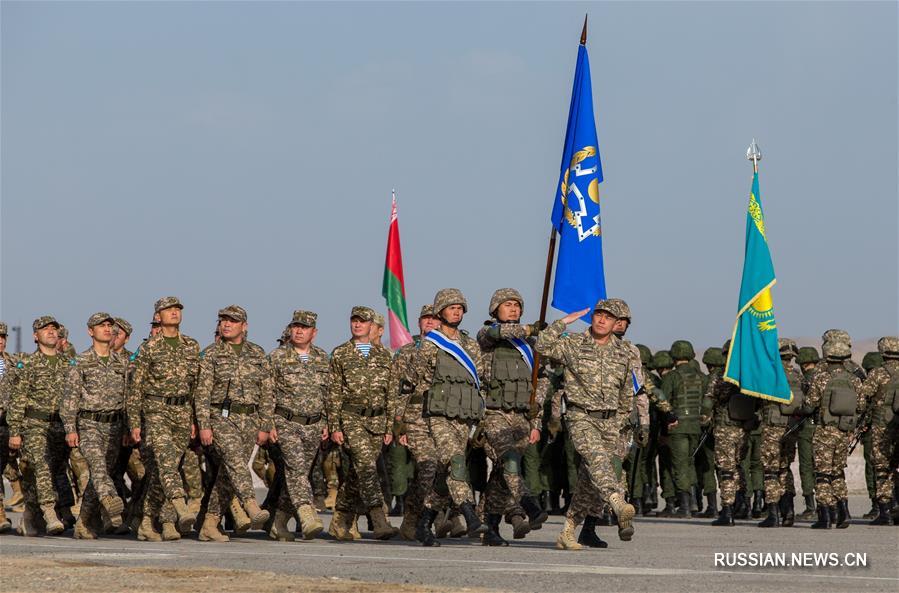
5, 525
16, 502
773, 518
873, 512
492, 536
787, 512
186, 519
457, 526
843, 516
695, 501
354, 527
170, 532
258, 516
823, 521
566, 539
725, 517
54, 525
758, 504
331, 498
279, 530
210, 531
82, 530
520, 526
536, 515
711, 506
28, 525
883, 514
810, 508
382, 529
638, 506
311, 523
339, 528
683, 505
111, 509
423, 528
625, 514
474, 525
670, 507
146, 532
741, 505
407, 527
240, 520
588, 535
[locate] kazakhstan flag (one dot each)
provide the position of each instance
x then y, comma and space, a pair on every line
753, 361
580, 279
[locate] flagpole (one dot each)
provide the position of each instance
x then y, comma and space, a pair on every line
547, 276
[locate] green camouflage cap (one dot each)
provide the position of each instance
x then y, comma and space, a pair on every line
501, 296
888, 346
155, 321
787, 348
44, 321
363, 313
836, 335
2, 329
449, 296
807, 354
645, 354
872, 360
662, 360
713, 357
379, 319
301, 317
167, 302
622, 310
682, 350
427, 311
126, 327
98, 318
836, 350
235, 312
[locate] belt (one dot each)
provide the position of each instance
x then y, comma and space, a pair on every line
292, 416
236, 408
416, 400
177, 400
40, 415
107, 417
600, 414
363, 411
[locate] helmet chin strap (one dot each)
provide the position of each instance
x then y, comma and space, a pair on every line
443, 321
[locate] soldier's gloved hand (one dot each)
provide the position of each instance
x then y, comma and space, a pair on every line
704, 420
535, 328
642, 436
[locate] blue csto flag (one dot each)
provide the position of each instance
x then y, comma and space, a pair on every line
580, 279
753, 361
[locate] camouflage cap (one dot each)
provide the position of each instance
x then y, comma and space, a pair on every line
662, 360
126, 327
379, 319
787, 347
606, 305
285, 336
363, 313
682, 350
3, 329
714, 357
235, 312
63, 332
501, 296
44, 321
156, 320
623, 311
449, 296
836, 335
167, 302
888, 346
98, 318
834, 350
872, 360
645, 354
300, 317
807, 354
426, 311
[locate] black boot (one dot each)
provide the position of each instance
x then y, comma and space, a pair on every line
492, 536
554, 508
399, 507
653, 496
606, 519
810, 508
758, 504
725, 517
873, 512
424, 532
894, 512
475, 527
588, 535
773, 518
638, 506
842, 514
787, 512
683, 505
544, 501
566, 502
670, 508
883, 514
695, 501
536, 515
741, 505
823, 521
711, 507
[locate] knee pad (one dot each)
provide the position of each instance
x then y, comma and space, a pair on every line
458, 469
440, 486
770, 476
512, 462
725, 475
821, 478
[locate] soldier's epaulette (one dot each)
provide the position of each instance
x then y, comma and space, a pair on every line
464, 332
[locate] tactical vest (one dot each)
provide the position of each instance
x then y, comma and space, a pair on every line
453, 392
510, 385
888, 409
779, 414
741, 407
687, 401
839, 401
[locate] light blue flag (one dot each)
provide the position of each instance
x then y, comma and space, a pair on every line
753, 361
580, 279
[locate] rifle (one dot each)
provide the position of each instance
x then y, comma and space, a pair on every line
794, 428
864, 425
702, 439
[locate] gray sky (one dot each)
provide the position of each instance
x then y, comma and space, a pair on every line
245, 152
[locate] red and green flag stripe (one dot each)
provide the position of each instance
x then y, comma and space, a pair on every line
394, 287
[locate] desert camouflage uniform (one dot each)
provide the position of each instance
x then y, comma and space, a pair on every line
7, 383
884, 425
778, 453
731, 439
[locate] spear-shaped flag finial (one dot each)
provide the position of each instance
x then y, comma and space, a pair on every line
584, 32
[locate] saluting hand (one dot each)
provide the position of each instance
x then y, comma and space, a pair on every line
572, 317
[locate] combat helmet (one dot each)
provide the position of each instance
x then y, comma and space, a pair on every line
808, 354
871, 361
645, 354
713, 357
662, 360
836, 335
682, 350
622, 310
501, 296
888, 346
787, 348
836, 350
449, 296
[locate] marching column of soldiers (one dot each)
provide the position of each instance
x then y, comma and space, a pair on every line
455, 434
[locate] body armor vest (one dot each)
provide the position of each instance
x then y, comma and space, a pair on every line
888, 410
510, 386
839, 401
453, 392
687, 402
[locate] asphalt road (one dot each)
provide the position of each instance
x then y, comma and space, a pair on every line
665, 555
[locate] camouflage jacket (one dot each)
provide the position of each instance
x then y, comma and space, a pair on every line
356, 383
8, 379
301, 387
596, 377
163, 370
641, 398
400, 373
39, 385
93, 385
225, 375
877, 379
421, 369
819, 382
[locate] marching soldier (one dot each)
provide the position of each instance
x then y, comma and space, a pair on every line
807, 360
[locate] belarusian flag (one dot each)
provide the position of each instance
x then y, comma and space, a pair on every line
394, 288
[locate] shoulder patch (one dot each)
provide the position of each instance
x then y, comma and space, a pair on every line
20, 365
72, 362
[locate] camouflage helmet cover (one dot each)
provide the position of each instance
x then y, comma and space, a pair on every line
449, 296
622, 310
888, 346
836, 335
682, 350
501, 296
606, 305
836, 350
787, 347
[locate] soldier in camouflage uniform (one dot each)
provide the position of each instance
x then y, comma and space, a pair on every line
35, 427
779, 448
358, 403
881, 390
509, 424
301, 375
807, 359
93, 413
663, 364
599, 396
836, 397
63, 346
234, 406
162, 392
871, 361
7, 380
121, 334
714, 361
445, 374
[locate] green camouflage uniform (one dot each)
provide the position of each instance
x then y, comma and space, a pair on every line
881, 390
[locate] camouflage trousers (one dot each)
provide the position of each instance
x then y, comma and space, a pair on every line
44, 457
597, 442
777, 455
4, 453
100, 443
731, 445
424, 454
450, 444
233, 440
884, 441
507, 439
360, 486
299, 445
831, 446
81, 473
192, 472
166, 436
